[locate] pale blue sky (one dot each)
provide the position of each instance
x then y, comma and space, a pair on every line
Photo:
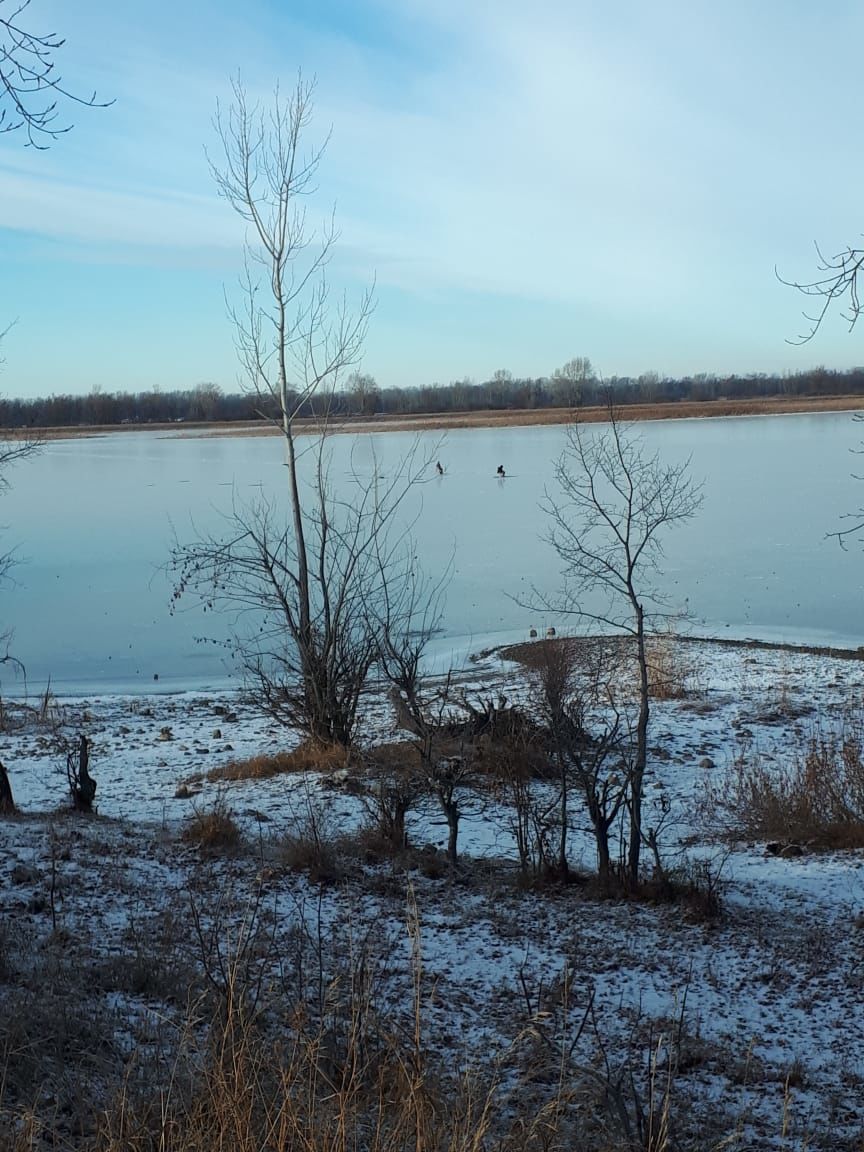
527, 182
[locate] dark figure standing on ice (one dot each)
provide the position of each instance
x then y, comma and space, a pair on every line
438, 468
501, 471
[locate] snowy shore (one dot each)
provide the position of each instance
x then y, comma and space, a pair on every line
769, 995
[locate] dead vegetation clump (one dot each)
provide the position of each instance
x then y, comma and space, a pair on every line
317, 1092
695, 885
534, 655
213, 829
314, 845
673, 668
310, 756
323, 861
816, 801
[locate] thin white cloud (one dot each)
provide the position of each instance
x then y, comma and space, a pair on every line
61, 209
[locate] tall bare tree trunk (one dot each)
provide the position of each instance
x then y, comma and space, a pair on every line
638, 775
451, 811
563, 868
604, 864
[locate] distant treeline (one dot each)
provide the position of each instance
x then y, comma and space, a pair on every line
572, 386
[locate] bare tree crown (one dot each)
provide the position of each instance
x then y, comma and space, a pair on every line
293, 341
608, 521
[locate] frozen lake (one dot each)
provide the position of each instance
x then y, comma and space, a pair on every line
92, 521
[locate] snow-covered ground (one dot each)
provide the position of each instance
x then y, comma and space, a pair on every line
766, 1001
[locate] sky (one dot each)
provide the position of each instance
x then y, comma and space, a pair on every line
523, 183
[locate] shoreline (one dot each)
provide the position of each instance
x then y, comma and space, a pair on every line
509, 652
504, 418
518, 652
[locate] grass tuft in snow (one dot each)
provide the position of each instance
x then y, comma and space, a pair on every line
213, 829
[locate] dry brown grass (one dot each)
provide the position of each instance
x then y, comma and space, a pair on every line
399, 755
321, 1093
673, 668
695, 885
534, 653
306, 757
213, 829
673, 665
317, 1040
817, 801
340, 1071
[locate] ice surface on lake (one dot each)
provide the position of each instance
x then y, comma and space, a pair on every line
93, 521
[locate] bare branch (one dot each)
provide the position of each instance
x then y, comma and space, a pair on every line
31, 90
837, 281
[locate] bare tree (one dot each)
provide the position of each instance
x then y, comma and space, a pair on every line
31, 90
295, 344
13, 448
577, 704
364, 393
82, 786
445, 725
311, 679
855, 528
313, 589
307, 649
532, 820
836, 281
452, 780
396, 787
425, 708
607, 522
570, 379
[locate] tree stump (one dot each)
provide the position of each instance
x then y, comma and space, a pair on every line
81, 783
7, 803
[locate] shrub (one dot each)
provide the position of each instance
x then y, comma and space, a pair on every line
818, 800
696, 884
395, 785
213, 829
312, 846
